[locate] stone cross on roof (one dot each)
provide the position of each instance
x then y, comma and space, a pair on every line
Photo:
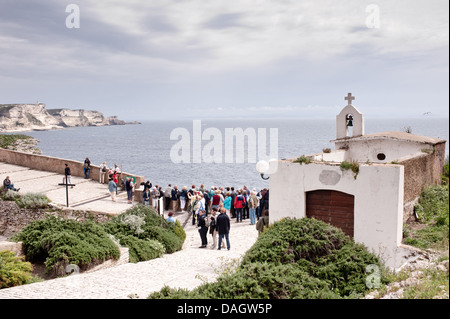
349, 98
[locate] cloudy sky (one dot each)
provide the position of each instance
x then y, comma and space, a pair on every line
167, 59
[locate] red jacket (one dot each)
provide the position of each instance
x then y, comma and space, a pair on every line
239, 201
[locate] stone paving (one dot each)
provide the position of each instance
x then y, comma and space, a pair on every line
187, 268
86, 195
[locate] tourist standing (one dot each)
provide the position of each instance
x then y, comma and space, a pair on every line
129, 188
252, 206
227, 203
183, 197
146, 197
216, 200
155, 196
115, 177
167, 196
175, 194
213, 228
112, 186
245, 209
223, 227
193, 207
239, 204
67, 175
233, 196
202, 228
103, 172
207, 200
86, 167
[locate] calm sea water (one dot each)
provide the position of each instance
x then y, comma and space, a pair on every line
145, 149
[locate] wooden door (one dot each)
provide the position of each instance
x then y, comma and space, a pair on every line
333, 207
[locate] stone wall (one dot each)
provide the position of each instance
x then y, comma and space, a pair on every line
13, 219
421, 171
54, 164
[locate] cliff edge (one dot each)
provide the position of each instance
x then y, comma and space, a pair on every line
27, 117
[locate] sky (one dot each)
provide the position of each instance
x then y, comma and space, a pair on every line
194, 59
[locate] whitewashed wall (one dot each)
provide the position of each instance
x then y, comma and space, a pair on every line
378, 191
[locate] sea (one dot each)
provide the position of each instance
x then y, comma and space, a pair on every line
147, 149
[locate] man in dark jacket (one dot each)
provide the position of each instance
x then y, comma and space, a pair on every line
8, 185
223, 227
202, 228
175, 194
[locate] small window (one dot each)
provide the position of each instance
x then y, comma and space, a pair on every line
381, 156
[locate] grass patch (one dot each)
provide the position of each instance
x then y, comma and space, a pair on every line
432, 231
8, 140
303, 160
353, 166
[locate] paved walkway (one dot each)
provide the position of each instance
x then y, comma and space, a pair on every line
87, 195
184, 269
187, 268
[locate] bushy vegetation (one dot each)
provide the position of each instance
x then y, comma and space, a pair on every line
432, 207
353, 166
293, 258
302, 160
7, 140
144, 223
13, 270
28, 200
433, 212
59, 242
445, 176
33, 201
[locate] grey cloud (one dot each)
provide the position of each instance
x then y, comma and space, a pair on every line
224, 21
158, 23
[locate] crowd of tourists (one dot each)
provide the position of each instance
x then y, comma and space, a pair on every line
212, 209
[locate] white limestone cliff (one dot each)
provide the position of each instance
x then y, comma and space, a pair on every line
26, 117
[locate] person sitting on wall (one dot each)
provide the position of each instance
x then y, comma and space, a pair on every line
7, 185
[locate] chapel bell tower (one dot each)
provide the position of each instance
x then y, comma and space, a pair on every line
350, 122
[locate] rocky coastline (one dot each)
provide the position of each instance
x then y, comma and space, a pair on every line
32, 117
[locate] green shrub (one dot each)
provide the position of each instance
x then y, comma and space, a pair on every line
169, 239
10, 195
29, 200
353, 166
13, 270
8, 140
144, 223
429, 237
33, 201
294, 258
142, 249
445, 176
432, 207
303, 160
257, 281
60, 242
320, 249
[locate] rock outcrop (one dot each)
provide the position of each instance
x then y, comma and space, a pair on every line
26, 117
